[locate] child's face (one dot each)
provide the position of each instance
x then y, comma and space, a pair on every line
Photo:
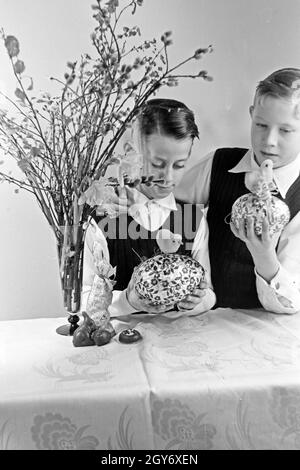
165, 158
275, 130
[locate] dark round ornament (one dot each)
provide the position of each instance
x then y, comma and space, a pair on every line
130, 336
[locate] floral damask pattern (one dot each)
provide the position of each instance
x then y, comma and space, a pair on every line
89, 358
181, 427
55, 432
123, 437
239, 433
83, 370
285, 410
5, 437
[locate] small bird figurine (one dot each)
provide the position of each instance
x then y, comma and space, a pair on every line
260, 182
167, 241
261, 203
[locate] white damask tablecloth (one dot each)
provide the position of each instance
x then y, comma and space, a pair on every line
228, 379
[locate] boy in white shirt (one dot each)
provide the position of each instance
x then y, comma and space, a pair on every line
248, 271
166, 130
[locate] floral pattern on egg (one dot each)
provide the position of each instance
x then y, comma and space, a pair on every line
166, 279
250, 205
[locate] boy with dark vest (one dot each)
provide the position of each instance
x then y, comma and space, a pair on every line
165, 130
248, 271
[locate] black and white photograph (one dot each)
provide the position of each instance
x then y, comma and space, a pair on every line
149, 218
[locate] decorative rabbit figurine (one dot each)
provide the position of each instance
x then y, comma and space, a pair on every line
99, 300
100, 296
97, 328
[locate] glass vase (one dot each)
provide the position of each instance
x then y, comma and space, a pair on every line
70, 256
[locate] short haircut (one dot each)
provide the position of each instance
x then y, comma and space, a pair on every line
283, 83
167, 117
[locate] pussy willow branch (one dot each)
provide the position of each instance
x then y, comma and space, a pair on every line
35, 190
181, 64
18, 108
35, 121
185, 76
113, 142
153, 59
166, 57
36, 124
38, 112
17, 182
114, 39
124, 9
58, 177
96, 45
40, 195
65, 86
138, 85
14, 142
77, 142
102, 118
142, 83
106, 103
64, 152
10, 123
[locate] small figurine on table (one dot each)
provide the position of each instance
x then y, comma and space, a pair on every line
97, 328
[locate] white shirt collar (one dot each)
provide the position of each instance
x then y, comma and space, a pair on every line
284, 176
151, 213
167, 202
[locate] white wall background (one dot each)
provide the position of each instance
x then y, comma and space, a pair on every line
250, 38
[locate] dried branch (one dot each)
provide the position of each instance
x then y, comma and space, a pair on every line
64, 143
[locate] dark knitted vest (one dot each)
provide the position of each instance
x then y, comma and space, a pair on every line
128, 241
232, 267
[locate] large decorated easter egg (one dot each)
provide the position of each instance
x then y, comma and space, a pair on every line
166, 279
251, 205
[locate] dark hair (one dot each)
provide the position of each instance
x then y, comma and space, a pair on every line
283, 83
168, 117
